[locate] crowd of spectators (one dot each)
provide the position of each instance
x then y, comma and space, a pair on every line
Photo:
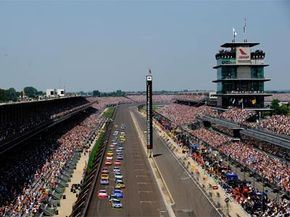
19, 119
237, 115
282, 97
277, 151
29, 172
191, 97
255, 202
279, 124
183, 114
268, 161
155, 98
273, 169
210, 137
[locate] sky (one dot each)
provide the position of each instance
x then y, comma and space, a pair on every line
109, 45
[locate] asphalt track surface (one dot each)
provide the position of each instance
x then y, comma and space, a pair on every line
141, 195
188, 198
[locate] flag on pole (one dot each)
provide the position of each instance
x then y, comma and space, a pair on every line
245, 25
234, 32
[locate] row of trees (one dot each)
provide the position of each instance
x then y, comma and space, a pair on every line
12, 95
104, 94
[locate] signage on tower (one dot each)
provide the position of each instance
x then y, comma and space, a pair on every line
243, 55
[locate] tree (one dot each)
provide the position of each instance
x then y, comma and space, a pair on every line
119, 93
275, 104
30, 92
8, 95
2, 95
11, 94
96, 93
279, 109
283, 109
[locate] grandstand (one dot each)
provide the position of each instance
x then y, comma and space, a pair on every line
20, 121
40, 155
262, 153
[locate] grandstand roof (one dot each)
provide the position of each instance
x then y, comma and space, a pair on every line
38, 100
268, 137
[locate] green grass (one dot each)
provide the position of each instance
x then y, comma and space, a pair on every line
95, 151
109, 112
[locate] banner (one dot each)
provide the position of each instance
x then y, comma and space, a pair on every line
243, 55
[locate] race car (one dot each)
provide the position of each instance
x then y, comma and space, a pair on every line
108, 163
120, 185
116, 169
119, 152
115, 203
105, 170
109, 158
117, 193
118, 181
104, 176
104, 181
102, 194
117, 163
110, 153
118, 175
120, 157
120, 148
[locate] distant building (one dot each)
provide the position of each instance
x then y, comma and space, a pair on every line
60, 92
50, 93
53, 93
212, 95
240, 76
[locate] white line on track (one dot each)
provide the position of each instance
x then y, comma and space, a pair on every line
147, 201
143, 183
141, 176
148, 192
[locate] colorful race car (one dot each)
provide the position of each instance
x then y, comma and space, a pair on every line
117, 163
104, 176
102, 194
104, 181
115, 203
120, 185
108, 163
117, 193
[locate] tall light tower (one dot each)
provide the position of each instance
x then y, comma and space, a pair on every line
149, 114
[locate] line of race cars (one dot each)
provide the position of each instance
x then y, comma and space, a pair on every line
114, 157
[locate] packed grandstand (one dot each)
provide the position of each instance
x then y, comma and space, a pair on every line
29, 171
215, 145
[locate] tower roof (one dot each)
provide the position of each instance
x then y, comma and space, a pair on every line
239, 44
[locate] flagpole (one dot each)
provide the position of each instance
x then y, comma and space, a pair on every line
234, 34
245, 25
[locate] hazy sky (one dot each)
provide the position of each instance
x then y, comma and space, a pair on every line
86, 45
